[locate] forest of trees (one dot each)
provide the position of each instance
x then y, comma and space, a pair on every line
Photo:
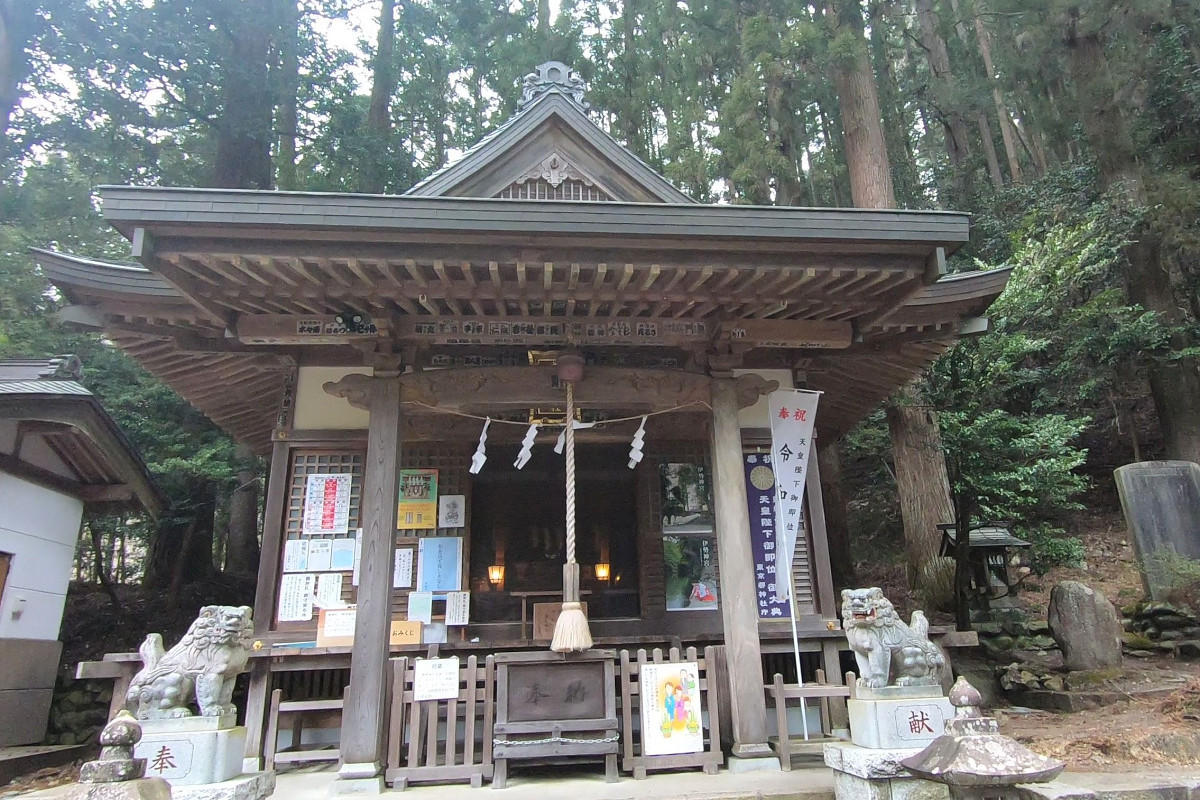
1070, 129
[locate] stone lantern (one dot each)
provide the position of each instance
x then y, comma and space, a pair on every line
974, 760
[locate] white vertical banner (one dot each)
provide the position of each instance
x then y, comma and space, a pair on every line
793, 414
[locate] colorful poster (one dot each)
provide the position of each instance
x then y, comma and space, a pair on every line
690, 572
686, 507
418, 499
793, 414
296, 597
672, 716
760, 492
452, 511
439, 564
326, 504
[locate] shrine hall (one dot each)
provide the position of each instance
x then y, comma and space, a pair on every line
398, 359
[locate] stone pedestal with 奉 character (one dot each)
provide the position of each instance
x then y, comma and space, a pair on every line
199, 755
897, 706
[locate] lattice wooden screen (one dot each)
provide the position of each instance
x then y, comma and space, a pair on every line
541, 189
451, 462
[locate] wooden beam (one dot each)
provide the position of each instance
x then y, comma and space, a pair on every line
789, 334
285, 329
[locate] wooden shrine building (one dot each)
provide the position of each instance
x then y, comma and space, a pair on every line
372, 335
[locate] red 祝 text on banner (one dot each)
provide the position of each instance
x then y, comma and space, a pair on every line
793, 414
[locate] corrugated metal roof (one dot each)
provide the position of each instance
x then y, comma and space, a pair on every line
43, 387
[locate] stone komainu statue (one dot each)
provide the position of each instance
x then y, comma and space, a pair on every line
889, 652
205, 663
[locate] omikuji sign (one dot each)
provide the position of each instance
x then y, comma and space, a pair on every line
793, 414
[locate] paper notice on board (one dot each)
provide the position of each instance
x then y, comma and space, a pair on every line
296, 596
320, 555
402, 574
420, 607
326, 504
341, 558
357, 556
295, 555
329, 590
458, 608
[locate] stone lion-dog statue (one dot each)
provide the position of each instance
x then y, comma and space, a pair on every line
889, 652
204, 664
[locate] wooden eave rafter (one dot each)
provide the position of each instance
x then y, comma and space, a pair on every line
78, 430
511, 281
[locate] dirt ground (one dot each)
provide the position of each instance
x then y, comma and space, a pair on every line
1148, 730
1154, 729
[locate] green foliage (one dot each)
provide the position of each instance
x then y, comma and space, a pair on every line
1053, 548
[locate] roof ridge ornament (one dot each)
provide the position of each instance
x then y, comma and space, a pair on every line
552, 76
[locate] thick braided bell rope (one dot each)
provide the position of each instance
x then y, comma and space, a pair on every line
570, 473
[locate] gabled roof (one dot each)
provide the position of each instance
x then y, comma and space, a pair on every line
50, 406
552, 121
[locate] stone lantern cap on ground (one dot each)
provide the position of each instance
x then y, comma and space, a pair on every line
973, 753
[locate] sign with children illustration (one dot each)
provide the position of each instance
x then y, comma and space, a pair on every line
672, 716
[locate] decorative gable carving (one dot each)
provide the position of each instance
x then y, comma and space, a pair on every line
554, 178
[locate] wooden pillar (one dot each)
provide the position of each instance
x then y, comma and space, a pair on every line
739, 604
364, 713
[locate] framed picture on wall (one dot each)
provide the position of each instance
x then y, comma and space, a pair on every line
690, 572
686, 504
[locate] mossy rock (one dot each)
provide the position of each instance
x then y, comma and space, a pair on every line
1135, 641
1090, 678
987, 628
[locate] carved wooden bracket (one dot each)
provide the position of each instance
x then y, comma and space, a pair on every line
750, 387
355, 388
495, 389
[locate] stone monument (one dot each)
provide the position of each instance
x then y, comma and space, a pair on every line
896, 707
200, 755
1085, 626
117, 775
1161, 501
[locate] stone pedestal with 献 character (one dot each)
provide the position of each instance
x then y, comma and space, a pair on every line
897, 717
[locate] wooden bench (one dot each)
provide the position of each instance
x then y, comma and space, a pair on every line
326, 713
820, 691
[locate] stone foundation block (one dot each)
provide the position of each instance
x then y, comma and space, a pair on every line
139, 789
861, 773
254, 786
192, 757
